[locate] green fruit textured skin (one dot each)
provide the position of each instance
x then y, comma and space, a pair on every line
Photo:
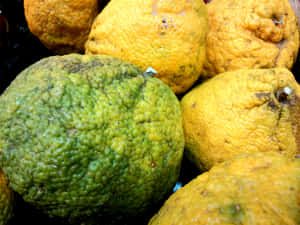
82, 135
6, 200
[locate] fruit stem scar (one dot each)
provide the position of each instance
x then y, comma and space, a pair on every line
278, 22
283, 94
165, 22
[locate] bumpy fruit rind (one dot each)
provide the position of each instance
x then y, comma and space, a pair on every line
242, 111
256, 188
90, 135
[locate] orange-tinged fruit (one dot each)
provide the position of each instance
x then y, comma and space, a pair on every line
61, 25
251, 189
250, 34
167, 35
239, 112
6, 200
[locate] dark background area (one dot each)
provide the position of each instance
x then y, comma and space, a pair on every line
19, 49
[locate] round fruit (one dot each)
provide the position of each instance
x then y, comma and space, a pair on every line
167, 35
261, 188
250, 34
6, 200
90, 135
242, 111
62, 26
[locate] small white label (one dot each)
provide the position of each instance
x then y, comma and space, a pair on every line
151, 70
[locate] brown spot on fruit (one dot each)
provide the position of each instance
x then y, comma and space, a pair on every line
204, 193
261, 95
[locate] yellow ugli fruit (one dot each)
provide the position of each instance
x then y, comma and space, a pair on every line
167, 35
242, 111
250, 34
250, 189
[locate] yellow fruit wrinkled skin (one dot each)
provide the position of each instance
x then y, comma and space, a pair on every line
242, 111
167, 35
61, 25
252, 189
250, 34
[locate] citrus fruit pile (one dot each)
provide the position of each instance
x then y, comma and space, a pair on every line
155, 112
